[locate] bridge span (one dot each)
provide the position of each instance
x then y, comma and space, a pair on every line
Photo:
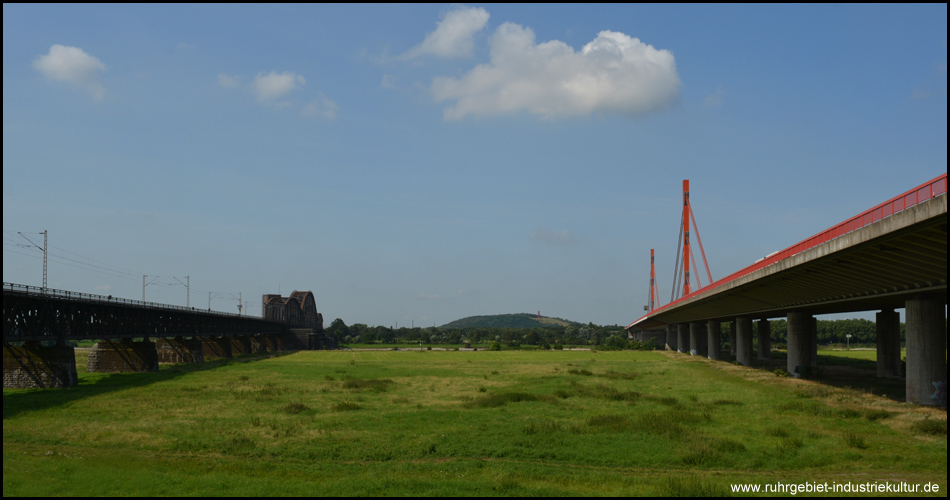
38, 324
889, 257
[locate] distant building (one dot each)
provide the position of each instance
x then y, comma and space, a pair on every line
298, 310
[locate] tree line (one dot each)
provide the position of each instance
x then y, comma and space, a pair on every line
862, 331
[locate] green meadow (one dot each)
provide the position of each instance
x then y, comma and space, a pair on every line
460, 423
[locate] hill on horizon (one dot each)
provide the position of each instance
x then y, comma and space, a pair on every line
520, 320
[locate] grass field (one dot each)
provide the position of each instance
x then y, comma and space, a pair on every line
458, 423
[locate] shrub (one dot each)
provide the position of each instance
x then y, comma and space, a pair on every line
932, 427
791, 444
723, 402
873, 415
853, 440
496, 400
295, 408
375, 385
543, 427
495, 346
345, 406
614, 422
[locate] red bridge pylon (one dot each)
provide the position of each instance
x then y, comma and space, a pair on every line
682, 272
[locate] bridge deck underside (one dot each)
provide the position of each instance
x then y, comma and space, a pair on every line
879, 273
28, 317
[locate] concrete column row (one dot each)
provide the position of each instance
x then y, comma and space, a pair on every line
744, 340
926, 350
764, 329
888, 326
682, 337
697, 338
926, 380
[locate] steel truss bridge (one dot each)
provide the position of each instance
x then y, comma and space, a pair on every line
33, 314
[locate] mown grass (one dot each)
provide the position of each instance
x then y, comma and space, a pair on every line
456, 423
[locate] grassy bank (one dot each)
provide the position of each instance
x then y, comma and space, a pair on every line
457, 423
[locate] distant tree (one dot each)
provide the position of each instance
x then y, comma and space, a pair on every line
531, 338
357, 329
385, 335
615, 342
585, 332
338, 328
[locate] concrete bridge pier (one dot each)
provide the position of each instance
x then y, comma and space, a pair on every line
124, 356
713, 342
34, 365
732, 340
926, 351
284, 342
240, 345
888, 344
179, 350
682, 337
697, 338
744, 340
216, 347
671, 337
258, 343
764, 329
802, 349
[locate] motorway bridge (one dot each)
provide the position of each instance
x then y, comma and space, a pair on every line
891, 256
39, 323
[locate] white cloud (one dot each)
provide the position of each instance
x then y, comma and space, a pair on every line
453, 36
714, 100
321, 107
614, 73
272, 87
545, 235
275, 85
72, 65
228, 81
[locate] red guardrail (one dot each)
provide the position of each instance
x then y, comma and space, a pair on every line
921, 193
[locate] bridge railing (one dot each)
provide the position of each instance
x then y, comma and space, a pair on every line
899, 203
69, 295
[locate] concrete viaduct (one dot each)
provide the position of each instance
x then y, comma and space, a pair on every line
135, 336
889, 257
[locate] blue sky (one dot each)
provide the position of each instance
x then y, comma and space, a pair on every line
419, 164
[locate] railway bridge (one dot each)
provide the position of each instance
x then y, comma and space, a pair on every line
133, 336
